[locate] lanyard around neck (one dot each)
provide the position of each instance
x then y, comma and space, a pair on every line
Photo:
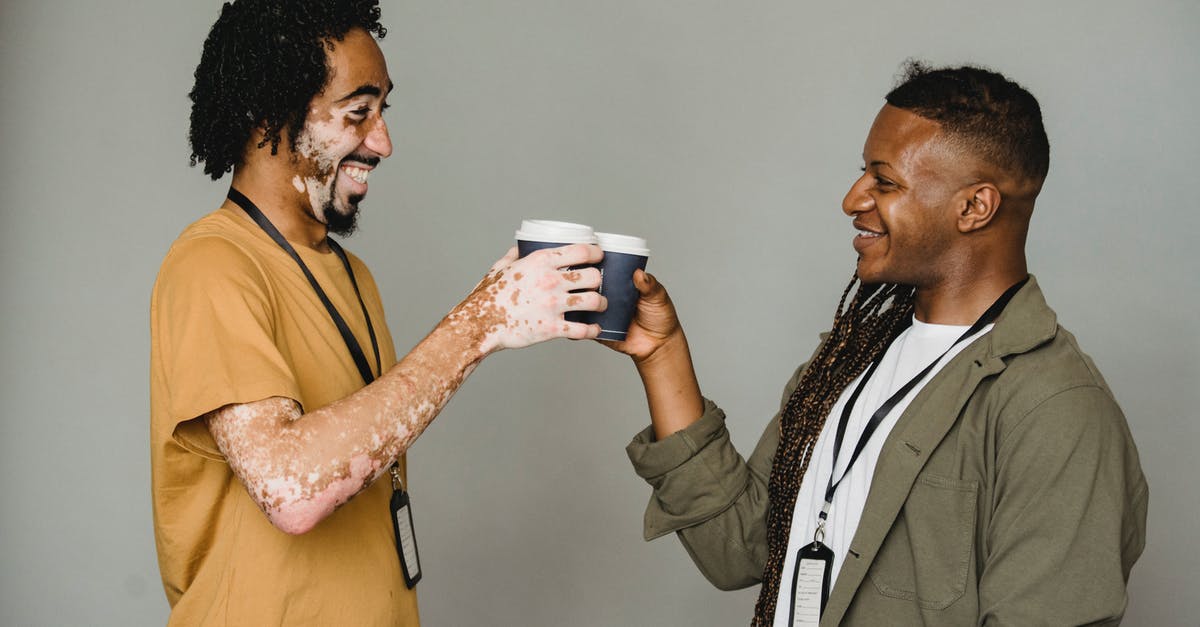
987, 318
356, 352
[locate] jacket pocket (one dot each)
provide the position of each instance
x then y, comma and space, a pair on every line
926, 556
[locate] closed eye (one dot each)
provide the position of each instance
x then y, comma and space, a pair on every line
362, 113
881, 182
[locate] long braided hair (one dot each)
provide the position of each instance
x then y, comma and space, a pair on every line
860, 334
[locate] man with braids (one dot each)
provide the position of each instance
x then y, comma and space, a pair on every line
277, 400
948, 450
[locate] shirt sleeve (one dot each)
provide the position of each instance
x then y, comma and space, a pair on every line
1070, 515
709, 495
214, 324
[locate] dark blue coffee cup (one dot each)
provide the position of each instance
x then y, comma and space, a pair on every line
623, 255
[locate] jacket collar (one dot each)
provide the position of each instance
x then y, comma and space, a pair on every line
1025, 324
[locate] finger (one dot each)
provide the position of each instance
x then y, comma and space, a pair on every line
575, 255
580, 331
585, 301
583, 278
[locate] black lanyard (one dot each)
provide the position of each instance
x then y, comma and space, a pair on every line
402, 524
360, 360
987, 318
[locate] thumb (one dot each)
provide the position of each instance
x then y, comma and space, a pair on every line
647, 286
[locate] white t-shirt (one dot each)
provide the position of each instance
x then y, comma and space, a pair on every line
912, 351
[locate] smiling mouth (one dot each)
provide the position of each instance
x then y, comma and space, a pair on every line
866, 237
863, 231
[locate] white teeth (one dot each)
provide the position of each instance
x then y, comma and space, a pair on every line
357, 174
868, 233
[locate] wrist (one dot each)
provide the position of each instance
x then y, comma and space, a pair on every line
672, 391
669, 351
470, 331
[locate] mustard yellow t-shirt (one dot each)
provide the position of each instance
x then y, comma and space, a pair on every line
234, 320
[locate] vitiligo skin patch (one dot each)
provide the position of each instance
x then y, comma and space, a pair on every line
299, 467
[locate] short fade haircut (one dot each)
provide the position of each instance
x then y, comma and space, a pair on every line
263, 62
992, 116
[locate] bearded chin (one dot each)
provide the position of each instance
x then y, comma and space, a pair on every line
343, 224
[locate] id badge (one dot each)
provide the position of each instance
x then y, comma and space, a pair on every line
406, 541
810, 584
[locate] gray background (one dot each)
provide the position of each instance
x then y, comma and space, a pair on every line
725, 133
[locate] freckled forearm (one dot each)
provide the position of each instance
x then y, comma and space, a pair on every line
299, 469
392, 412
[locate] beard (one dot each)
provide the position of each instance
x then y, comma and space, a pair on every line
339, 223
344, 223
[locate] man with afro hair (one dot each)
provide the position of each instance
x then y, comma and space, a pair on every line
280, 413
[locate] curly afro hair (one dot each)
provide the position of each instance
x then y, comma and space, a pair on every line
263, 62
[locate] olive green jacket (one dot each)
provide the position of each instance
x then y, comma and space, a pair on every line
1008, 493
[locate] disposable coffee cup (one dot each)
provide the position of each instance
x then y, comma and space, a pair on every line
538, 234
623, 254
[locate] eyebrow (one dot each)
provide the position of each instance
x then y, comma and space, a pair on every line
366, 90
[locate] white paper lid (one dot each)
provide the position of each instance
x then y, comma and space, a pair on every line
628, 244
555, 231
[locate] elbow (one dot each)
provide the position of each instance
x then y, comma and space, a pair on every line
296, 507
729, 575
729, 584
298, 516
295, 518
292, 526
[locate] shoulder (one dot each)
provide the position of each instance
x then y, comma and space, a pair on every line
1056, 365
1041, 359
214, 241
1055, 387
211, 250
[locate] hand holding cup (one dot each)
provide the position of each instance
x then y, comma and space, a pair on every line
655, 322
522, 300
623, 255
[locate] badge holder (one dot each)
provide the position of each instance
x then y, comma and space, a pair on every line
810, 581
402, 524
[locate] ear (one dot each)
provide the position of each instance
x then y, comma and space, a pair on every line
978, 207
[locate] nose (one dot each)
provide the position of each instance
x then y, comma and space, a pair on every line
378, 141
857, 199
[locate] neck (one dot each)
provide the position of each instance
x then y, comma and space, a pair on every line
962, 303
283, 205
